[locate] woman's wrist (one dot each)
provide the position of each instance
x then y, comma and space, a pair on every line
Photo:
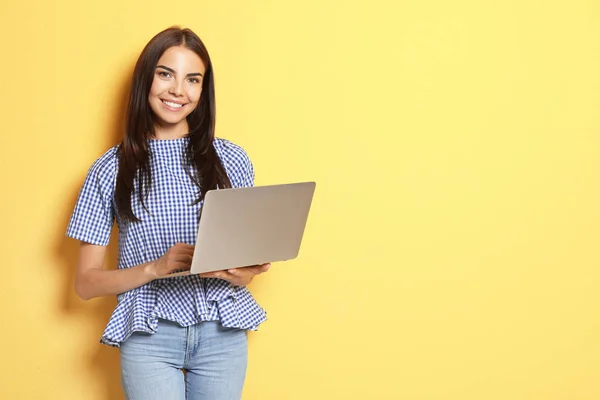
150, 270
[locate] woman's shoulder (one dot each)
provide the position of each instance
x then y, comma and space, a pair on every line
232, 154
105, 166
236, 162
228, 149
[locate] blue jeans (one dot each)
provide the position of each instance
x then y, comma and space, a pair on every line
213, 357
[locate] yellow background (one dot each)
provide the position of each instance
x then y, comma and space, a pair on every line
452, 250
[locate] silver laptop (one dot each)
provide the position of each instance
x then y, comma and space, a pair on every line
249, 226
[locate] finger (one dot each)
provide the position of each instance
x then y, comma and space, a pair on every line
187, 258
183, 247
215, 274
264, 267
245, 271
259, 265
188, 252
218, 274
225, 275
254, 271
258, 269
177, 266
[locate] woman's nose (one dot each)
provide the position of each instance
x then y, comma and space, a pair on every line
176, 88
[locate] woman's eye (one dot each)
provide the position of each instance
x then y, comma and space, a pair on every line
164, 74
194, 80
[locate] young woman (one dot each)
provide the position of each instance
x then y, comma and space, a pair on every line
153, 184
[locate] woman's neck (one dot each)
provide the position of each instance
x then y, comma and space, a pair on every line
169, 132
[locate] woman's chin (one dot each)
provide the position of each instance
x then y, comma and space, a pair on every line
171, 122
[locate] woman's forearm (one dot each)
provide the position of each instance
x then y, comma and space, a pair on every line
96, 282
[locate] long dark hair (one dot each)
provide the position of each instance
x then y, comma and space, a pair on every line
133, 151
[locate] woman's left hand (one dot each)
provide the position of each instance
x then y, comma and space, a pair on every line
238, 276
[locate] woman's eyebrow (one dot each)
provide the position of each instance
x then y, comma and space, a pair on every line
173, 71
167, 68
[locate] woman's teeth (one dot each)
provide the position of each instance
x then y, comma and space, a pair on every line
172, 105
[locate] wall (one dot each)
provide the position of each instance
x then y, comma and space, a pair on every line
452, 251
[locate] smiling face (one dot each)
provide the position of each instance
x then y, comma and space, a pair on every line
175, 91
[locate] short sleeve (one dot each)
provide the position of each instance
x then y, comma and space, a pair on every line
249, 173
237, 163
93, 216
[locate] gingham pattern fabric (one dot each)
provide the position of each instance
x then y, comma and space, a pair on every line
169, 218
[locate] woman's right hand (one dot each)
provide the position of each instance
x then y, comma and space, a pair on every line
178, 257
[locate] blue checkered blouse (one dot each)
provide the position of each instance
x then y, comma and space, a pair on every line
170, 218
